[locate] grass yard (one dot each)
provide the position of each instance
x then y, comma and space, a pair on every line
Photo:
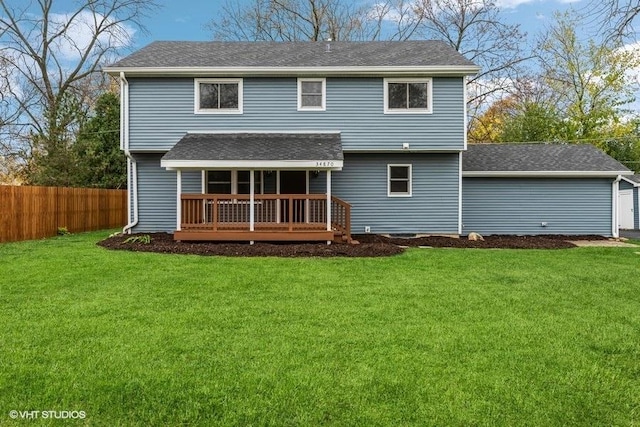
431, 337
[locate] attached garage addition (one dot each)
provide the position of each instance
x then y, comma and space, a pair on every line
539, 189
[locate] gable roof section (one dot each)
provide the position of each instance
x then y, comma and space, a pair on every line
321, 151
244, 58
539, 160
633, 180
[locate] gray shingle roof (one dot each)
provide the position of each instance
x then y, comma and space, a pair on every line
634, 178
257, 146
522, 157
294, 54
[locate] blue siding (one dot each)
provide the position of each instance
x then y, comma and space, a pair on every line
519, 206
161, 112
363, 183
433, 208
156, 195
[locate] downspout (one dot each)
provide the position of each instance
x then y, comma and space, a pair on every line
614, 206
132, 166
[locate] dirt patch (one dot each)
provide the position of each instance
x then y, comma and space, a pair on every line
371, 245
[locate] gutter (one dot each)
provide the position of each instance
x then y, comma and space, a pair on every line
378, 71
614, 206
132, 166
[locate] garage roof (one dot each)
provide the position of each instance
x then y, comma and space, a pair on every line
522, 159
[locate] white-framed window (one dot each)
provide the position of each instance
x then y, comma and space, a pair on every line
408, 96
399, 180
218, 96
312, 94
233, 182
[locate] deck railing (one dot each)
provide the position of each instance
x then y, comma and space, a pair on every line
285, 212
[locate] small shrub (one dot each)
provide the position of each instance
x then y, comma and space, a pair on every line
63, 231
143, 238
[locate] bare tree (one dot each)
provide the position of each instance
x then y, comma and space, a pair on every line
475, 29
46, 60
615, 19
290, 20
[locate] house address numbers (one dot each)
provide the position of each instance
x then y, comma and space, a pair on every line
324, 164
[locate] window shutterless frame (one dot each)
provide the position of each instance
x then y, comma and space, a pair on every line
217, 96
399, 180
312, 94
408, 95
232, 182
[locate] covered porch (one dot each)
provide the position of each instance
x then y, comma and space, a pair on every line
256, 187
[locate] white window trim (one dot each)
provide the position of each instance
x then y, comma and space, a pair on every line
322, 80
410, 184
427, 80
234, 180
196, 97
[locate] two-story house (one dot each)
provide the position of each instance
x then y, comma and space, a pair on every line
311, 141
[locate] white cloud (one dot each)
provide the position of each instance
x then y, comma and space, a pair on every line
81, 31
513, 4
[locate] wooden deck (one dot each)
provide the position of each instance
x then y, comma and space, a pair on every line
274, 217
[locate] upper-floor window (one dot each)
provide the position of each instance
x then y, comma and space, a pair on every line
218, 96
402, 96
312, 94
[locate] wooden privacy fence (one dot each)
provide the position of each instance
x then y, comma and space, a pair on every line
37, 212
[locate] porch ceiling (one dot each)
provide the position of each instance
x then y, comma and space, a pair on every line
320, 151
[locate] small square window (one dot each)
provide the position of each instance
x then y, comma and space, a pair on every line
311, 94
218, 96
399, 180
219, 182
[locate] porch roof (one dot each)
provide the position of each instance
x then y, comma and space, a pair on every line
320, 151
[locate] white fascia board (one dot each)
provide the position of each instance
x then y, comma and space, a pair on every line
544, 174
460, 70
254, 131
253, 164
403, 151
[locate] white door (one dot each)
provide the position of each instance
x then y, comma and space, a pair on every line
626, 209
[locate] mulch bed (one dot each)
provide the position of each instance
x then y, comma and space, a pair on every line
371, 245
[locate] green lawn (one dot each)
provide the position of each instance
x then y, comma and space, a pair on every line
431, 337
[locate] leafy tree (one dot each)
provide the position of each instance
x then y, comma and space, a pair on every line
532, 122
587, 81
489, 126
101, 163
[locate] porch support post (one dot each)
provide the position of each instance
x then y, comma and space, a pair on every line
328, 200
252, 216
278, 200
178, 199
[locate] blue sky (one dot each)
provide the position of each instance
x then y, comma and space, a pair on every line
185, 19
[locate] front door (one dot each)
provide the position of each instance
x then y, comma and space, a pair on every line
626, 209
293, 182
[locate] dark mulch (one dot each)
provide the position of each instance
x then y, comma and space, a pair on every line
492, 242
371, 245
164, 243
